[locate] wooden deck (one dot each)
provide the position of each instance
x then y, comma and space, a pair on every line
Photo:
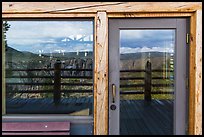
47, 106
137, 117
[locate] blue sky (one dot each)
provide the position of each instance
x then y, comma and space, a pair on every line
55, 36
49, 36
147, 40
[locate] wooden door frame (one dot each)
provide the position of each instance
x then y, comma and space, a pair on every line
101, 12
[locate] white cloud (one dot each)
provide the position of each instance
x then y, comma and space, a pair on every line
129, 34
39, 29
33, 32
37, 35
128, 50
58, 49
25, 42
124, 50
147, 34
31, 35
87, 47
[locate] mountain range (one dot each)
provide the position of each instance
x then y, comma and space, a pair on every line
128, 61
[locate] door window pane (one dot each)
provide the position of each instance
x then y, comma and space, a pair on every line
147, 81
49, 67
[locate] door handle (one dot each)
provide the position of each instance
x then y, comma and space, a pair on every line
113, 92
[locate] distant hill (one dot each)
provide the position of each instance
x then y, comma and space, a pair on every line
128, 61
13, 55
71, 55
139, 55
138, 60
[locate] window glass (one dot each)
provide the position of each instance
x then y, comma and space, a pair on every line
147, 81
49, 67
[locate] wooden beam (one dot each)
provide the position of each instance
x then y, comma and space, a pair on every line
92, 15
195, 82
101, 75
93, 7
47, 15
192, 74
198, 75
150, 14
120, 9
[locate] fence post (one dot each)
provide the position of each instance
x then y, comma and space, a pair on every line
148, 81
57, 82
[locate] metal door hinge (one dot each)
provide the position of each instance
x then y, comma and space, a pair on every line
187, 38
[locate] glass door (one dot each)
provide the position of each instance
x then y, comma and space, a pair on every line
147, 84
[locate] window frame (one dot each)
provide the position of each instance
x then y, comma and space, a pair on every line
3, 54
133, 10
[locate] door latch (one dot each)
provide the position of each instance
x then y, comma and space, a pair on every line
113, 92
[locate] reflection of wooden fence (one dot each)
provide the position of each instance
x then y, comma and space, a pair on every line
57, 81
58, 76
147, 82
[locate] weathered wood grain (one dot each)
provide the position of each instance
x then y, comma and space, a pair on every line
101, 75
198, 75
150, 14
125, 9
93, 7
192, 74
47, 15
195, 70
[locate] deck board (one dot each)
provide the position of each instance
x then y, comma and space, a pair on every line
123, 128
148, 120
154, 118
137, 117
129, 115
149, 117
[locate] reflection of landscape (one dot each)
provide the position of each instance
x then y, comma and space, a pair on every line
133, 74
49, 67
31, 76
146, 81
82, 61
25, 60
137, 47
159, 60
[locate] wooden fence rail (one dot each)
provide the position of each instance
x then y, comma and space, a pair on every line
57, 76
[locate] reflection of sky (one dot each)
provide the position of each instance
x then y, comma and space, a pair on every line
147, 41
50, 36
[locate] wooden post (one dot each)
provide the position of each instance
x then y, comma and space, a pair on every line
57, 82
148, 81
195, 71
101, 75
